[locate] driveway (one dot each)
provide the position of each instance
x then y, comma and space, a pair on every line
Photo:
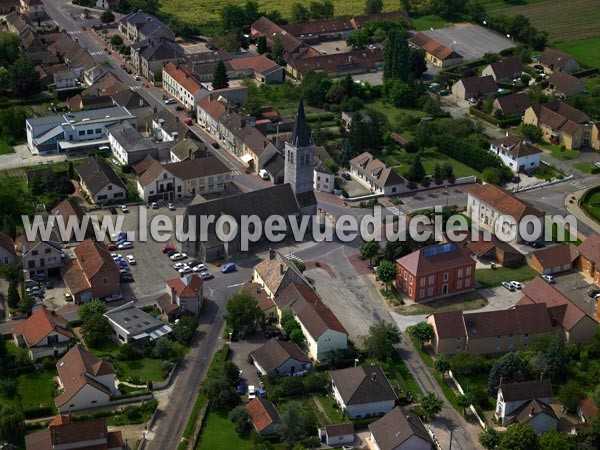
239, 355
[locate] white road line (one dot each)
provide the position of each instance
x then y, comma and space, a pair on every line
235, 285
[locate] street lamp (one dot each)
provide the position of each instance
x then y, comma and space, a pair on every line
485, 23
510, 37
230, 334
355, 361
451, 433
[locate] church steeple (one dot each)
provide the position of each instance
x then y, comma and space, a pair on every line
301, 136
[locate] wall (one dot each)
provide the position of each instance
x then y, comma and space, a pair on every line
84, 398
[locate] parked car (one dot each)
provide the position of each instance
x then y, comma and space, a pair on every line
179, 108
111, 247
185, 270
229, 267
137, 77
170, 101
49, 284
126, 278
113, 210
346, 176
33, 290
516, 179
241, 387
124, 208
125, 245
171, 206
68, 297
215, 145
178, 256
188, 121
167, 248
516, 284
593, 293
549, 279
539, 68
193, 263
154, 205
508, 286
263, 174
206, 275
113, 298
251, 392
171, 252
199, 268
597, 164
178, 266
131, 260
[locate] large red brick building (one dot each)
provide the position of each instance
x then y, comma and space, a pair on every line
436, 271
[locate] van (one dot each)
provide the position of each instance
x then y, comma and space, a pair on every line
263, 174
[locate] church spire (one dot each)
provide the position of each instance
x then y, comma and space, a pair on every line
301, 136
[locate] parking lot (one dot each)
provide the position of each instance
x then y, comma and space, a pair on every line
471, 41
575, 286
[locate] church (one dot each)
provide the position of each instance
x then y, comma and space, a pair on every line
295, 197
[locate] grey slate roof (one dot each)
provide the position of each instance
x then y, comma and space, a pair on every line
275, 165
186, 146
275, 353
129, 138
96, 174
526, 390
301, 136
358, 385
396, 427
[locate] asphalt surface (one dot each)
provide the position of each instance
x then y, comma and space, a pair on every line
471, 41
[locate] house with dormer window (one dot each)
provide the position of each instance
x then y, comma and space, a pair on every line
518, 154
376, 175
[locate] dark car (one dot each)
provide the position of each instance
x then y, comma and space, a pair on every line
171, 252
593, 293
49, 284
241, 387
215, 145
539, 68
113, 210
516, 179
346, 176
194, 263
126, 278
179, 108
111, 247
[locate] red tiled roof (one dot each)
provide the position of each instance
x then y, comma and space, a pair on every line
212, 106
183, 78
7, 243
590, 248
505, 202
588, 408
39, 325
558, 255
449, 324
94, 258
365, 59
435, 258
258, 63
262, 413
187, 286
433, 47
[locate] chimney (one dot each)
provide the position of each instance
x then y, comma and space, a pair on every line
281, 269
271, 254
53, 312
373, 377
176, 118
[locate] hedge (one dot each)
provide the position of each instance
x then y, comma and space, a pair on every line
586, 72
41, 411
502, 123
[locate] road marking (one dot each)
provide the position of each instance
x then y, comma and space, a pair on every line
235, 285
74, 32
395, 211
236, 172
135, 88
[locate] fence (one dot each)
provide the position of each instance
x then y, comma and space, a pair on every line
471, 407
160, 385
543, 184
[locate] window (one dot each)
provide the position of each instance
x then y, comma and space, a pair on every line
81, 132
89, 132
431, 279
410, 280
445, 276
47, 250
468, 270
429, 292
459, 284
34, 252
422, 282
109, 187
405, 275
410, 291
421, 293
468, 282
98, 130
460, 273
459, 339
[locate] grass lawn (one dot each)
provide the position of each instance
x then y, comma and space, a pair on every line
36, 389
559, 152
586, 51
477, 382
328, 402
427, 22
583, 167
400, 376
4, 147
401, 162
442, 305
493, 277
145, 369
391, 112
219, 434
590, 203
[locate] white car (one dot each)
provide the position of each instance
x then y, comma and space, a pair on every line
207, 276
116, 255
548, 278
131, 260
124, 208
170, 101
178, 256
154, 205
171, 206
200, 268
178, 266
516, 284
597, 164
125, 245
185, 270
251, 392
508, 286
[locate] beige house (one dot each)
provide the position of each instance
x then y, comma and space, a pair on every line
436, 53
565, 84
474, 87
44, 333
8, 254
204, 175
185, 294
490, 205
276, 273
557, 61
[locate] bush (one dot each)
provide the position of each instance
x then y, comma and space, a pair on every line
466, 364
40, 411
8, 387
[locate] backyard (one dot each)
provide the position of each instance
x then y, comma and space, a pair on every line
36, 389
494, 277
401, 161
560, 151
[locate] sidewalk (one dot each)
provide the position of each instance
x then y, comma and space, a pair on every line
575, 209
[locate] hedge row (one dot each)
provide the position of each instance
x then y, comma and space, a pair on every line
502, 123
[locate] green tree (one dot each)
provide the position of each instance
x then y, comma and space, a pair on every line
243, 314
465, 364
368, 250
94, 306
299, 13
278, 50
296, 336
261, 46
416, 172
107, 17
431, 405
373, 6
314, 87
379, 343
395, 55
570, 395
163, 348
422, 332
464, 401
25, 79
231, 372
448, 9
321, 10
221, 395
386, 272
239, 417
12, 422
511, 368
520, 436
550, 356
417, 63
13, 297
442, 364
184, 330
10, 48
26, 304
596, 396
489, 438
589, 436
437, 174
554, 440
491, 175
291, 428
531, 132
220, 77
95, 329
116, 40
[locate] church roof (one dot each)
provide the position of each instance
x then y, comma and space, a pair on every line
301, 136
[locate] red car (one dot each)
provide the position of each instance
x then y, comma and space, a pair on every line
188, 121
111, 247
167, 248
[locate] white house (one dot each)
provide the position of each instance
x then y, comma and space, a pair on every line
44, 333
100, 181
376, 175
323, 178
65, 79
519, 154
132, 325
490, 202
8, 254
512, 396
186, 294
85, 381
178, 82
280, 358
337, 435
156, 183
42, 257
400, 430
363, 391
127, 145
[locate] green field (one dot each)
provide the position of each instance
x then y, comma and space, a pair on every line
429, 158
563, 20
585, 51
427, 22
583, 167
36, 389
203, 12
493, 277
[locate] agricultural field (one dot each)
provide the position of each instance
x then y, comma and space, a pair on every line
585, 51
563, 20
206, 12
